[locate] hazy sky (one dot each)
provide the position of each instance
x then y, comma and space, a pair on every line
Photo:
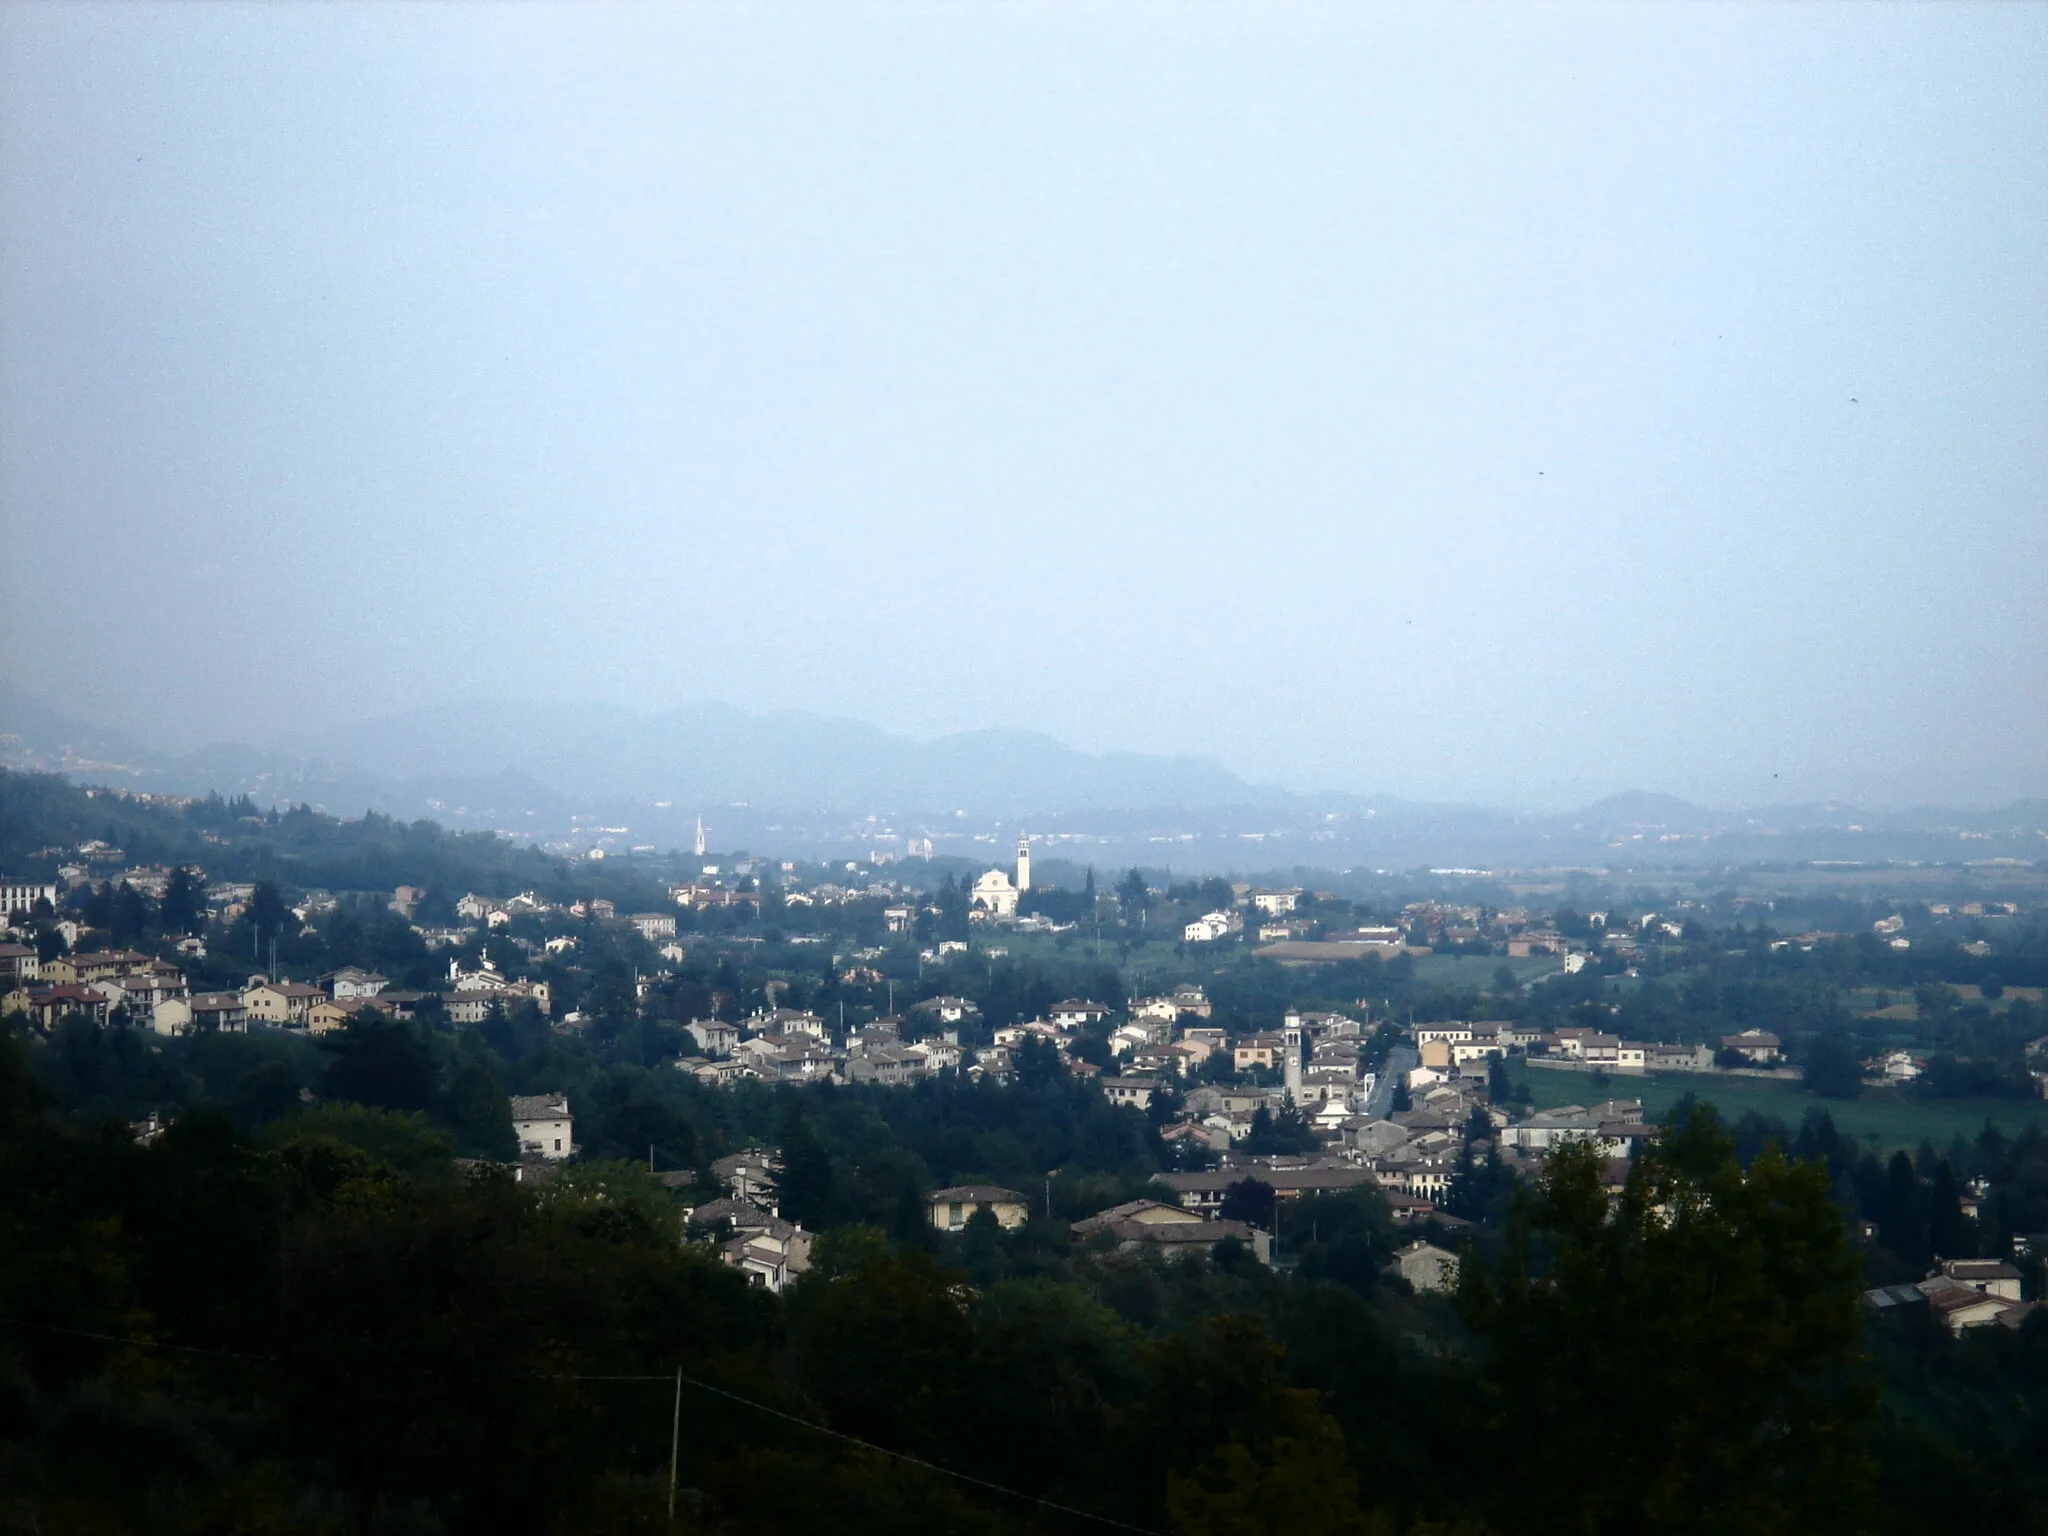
1510, 401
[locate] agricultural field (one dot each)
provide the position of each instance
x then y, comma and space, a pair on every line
1477, 970
1885, 1115
1897, 1002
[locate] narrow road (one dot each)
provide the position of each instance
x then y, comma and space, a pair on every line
1401, 1060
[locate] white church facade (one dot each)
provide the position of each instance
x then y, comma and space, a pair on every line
994, 896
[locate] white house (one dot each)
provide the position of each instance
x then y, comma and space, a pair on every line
20, 896
352, 981
172, 1016
1075, 1013
1134, 1091
713, 1037
542, 1123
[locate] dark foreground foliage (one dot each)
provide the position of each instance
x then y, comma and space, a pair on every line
312, 1324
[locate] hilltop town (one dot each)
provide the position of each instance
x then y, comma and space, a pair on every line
1289, 1040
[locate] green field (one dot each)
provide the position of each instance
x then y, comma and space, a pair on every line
1882, 1114
1477, 970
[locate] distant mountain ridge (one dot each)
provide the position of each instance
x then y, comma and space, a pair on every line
709, 754
590, 775
715, 753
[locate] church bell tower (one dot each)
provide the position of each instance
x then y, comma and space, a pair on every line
1023, 864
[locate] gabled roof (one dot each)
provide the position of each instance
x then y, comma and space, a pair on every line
982, 1194
1088, 1226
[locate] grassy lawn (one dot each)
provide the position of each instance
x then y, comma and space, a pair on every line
1476, 970
1881, 1114
1152, 960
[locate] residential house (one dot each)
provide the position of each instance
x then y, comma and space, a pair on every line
172, 1016
539, 993
18, 964
1138, 1035
769, 1251
142, 989
750, 1176
1177, 1239
1203, 1192
1571, 1042
1194, 1000
1141, 1212
46, 1006
465, 1007
1553, 1127
328, 1015
1759, 1047
1991, 1277
1599, 1050
543, 1125
654, 925
1958, 1306
1158, 1065
888, 1065
1276, 903
1136, 1092
792, 1022
717, 1074
1076, 1013
487, 978
98, 965
939, 1055
284, 1004
713, 1037
219, 1011
353, 981
1418, 1176
952, 1209
1426, 1267
1260, 1050
1449, 1032
1678, 1058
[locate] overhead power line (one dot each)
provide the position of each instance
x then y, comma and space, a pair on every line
667, 1378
